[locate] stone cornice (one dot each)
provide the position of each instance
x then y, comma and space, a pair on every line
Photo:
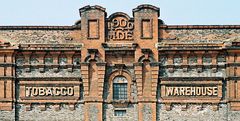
88, 7
50, 46
147, 6
119, 46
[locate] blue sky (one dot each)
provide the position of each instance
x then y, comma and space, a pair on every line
173, 12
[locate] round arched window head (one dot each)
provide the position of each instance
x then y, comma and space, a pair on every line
120, 79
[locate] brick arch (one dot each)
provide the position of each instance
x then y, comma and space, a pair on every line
50, 56
61, 56
119, 14
115, 74
34, 56
143, 58
89, 58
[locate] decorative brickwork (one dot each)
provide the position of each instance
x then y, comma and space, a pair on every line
120, 67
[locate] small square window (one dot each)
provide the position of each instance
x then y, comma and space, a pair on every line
207, 60
48, 60
62, 61
120, 113
33, 60
20, 61
177, 60
192, 60
221, 59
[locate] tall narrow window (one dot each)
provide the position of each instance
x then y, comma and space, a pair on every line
76, 59
62, 60
33, 59
48, 59
120, 88
19, 59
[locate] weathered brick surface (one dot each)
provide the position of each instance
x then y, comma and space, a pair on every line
200, 34
194, 113
7, 115
48, 73
36, 36
64, 114
200, 62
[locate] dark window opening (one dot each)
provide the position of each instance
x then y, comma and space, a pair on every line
120, 113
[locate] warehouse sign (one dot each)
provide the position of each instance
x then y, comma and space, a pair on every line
191, 91
49, 91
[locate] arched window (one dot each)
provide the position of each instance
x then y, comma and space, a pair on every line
177, 60
221, 59
33, 59
62, 60
163, 60
76, 59
207, 59
192, 59
120, 87
19, 59
48, 59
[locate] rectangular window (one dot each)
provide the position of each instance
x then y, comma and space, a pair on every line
119, 91
120, 113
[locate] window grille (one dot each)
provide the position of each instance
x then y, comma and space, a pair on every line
120, 88
120, 113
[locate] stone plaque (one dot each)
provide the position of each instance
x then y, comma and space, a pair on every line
120, 28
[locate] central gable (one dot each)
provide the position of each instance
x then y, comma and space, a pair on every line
120, 27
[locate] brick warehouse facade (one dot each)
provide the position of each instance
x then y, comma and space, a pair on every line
120, 68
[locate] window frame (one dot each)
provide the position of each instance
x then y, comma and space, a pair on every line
120, 88
122, 114
112, 76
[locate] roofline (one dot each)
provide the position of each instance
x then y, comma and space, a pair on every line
199, 27
160, 27
39, 27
